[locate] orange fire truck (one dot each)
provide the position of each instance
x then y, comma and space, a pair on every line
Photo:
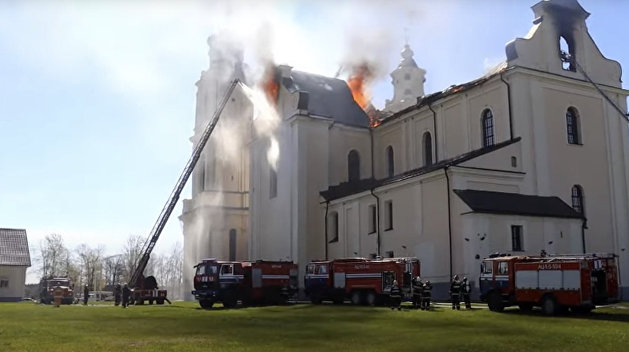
361, 280
555, 283
259, 282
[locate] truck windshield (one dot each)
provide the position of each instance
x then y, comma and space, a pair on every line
58, 283
487, 267
207, 269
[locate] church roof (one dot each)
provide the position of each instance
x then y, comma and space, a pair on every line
14, 248
348, 188
327, 97
516, 204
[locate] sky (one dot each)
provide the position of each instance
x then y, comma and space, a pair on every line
97, 99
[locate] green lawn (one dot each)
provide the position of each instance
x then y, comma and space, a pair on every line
184, 327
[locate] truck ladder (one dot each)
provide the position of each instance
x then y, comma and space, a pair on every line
162, 219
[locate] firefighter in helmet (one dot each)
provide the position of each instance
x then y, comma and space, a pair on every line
466, 291
418, 287
396, 296
426, 295
117, 294
126, 293
86, 294
455, 292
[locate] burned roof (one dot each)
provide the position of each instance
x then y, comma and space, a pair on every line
14, 248
327, 97
516, 204
348, 188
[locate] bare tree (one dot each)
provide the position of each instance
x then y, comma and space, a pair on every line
131, 254
55, 257
113, 269
91, 260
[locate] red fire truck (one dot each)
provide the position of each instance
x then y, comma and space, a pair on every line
555, 283
259, 282
361, 280
47, 288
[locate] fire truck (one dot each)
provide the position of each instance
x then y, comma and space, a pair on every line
47, 290
361, 280
259, 282
554, 283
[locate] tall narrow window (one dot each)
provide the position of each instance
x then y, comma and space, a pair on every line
390, 162
372, 219
390, 254
577, 199
516, 238
572, 126
333, 226
388, 215
427, 149
353, 166
272, 182
488, 128
232, 244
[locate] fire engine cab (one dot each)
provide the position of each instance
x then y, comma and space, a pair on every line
555, 283
361, 280
259, 282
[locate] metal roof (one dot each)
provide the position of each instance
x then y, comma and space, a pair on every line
14, 248
516, 204
327, 97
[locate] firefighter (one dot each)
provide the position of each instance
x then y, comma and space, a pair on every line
466, 291
396, 296
86, 294
117, 293
426, 295
125, 296
418, 287
455, 293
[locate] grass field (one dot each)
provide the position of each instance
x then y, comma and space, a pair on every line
184, 327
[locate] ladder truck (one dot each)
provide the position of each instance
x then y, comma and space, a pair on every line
144, 289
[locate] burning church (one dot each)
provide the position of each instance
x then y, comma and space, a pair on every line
530, 157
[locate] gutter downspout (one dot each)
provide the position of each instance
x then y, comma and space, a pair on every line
377, 221
434, 126
583, 227
327, 205
508, 103
445, 170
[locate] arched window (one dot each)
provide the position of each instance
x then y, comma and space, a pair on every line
577, 199
333, 226
427, 148
566, 54
488, 128
232, 244
572, 126
353, 166
390, 163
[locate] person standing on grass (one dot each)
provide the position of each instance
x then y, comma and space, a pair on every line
117, 294
86, 294
455, 293
396, 296
418, 287
466, 290
426, 295
126, 293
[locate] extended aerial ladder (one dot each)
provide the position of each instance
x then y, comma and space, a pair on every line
145, 289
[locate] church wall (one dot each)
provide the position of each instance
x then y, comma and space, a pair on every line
344, 139
389, 135
420, 123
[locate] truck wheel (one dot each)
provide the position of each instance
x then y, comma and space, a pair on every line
139, 302
371, 298
315, 298
150, 301
357, 298
160, 301
338, 300
494, 301
526, 307
549, 305
206, 303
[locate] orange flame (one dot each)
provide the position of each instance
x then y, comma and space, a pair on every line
269, 84
358, 83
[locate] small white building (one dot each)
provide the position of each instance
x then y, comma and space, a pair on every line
14, 259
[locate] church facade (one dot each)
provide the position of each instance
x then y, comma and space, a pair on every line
531, 157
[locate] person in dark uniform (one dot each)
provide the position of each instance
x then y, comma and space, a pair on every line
466, 291
126, 293
86, 294
117, 294
455, 293
418, 287
396, 296
426, 295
